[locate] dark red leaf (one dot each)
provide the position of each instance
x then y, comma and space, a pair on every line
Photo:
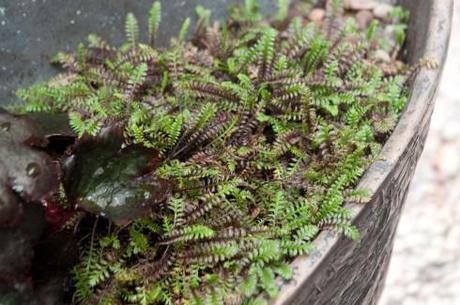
30, 173
106, 179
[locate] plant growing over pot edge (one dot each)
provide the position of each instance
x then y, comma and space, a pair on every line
237, 135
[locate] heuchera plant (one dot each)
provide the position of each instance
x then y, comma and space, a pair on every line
200, 170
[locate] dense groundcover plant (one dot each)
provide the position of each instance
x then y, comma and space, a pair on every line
201, 169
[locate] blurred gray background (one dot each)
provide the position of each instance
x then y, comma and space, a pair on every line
32, 31
425, 267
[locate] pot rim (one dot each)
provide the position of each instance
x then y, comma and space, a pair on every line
418, 109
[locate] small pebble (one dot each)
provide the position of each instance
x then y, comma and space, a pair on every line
363, 19
448, 161
382, 11
317, 14
358, 5
390, 33
382, 56
451, 129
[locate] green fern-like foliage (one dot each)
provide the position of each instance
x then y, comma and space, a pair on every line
264, 132
154, 21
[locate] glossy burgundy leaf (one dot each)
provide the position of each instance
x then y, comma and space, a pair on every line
103, 178
16, 256
20, 129
29, 173
56, 130
17, 243
10, 206
52, 124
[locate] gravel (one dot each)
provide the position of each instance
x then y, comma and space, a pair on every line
425, 267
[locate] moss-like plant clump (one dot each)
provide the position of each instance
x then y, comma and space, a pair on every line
205, 167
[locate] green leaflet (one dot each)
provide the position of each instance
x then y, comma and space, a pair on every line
258, 135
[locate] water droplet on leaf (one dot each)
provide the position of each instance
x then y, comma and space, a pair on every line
99, 171
18, 188
33, 170
5, 126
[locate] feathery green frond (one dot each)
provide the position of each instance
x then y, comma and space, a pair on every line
132, 30
260, 135
154, 21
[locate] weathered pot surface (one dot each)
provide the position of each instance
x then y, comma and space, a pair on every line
339, 271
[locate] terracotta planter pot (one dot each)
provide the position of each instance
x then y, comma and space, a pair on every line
339, 271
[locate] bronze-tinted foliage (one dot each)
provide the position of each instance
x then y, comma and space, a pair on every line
257, 133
